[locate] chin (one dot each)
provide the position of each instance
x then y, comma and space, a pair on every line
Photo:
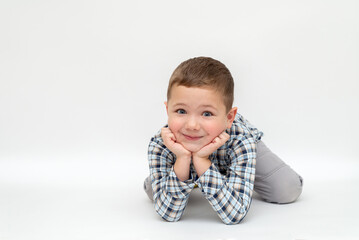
192, 147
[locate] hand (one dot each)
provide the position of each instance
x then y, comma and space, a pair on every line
183, 161
169, 140
207, 150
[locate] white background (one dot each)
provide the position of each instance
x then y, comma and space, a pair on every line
82, 86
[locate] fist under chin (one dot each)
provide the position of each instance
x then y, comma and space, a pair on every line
192, 147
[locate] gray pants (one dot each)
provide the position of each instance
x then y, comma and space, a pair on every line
275, 181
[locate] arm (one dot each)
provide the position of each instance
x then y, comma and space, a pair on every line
183, 161
231, 195
170, 194
201, 161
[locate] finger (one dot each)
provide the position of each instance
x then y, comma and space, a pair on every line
216, 140
165, 136
221, 139
224, 136
172, 137
216, 143
164, 130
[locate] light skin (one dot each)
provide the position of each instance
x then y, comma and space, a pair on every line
197, 120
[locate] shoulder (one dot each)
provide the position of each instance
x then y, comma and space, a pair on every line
243, 129
157, 147
156, 141
238, 128
157, 137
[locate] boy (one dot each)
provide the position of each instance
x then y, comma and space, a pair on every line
208, 144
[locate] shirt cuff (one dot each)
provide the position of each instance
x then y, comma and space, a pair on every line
211, 181
178, 188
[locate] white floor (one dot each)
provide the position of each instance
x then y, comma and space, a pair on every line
89, 198
92, 76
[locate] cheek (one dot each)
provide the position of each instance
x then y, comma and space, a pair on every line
215, 129
174, 125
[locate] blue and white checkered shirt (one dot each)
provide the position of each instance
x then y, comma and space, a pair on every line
227, 184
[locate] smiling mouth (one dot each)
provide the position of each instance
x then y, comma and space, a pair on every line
191, 138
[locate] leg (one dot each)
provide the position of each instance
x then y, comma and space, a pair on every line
148, 188
275, 181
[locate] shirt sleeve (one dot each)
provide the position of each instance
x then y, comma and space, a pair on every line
230, 195
170, 194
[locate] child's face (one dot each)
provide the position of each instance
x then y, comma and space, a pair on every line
197, 115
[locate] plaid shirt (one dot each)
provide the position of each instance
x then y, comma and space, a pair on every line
227, 184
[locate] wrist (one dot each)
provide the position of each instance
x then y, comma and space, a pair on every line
198, 158
201, 164
184, 158
182, 167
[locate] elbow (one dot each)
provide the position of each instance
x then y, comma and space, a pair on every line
168, 217
167, 214
232, 221
235, 217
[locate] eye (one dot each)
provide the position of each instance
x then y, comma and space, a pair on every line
207, 114
181, 111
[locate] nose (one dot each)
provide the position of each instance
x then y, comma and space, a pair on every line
192, 123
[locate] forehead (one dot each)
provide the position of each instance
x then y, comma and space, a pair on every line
195, 97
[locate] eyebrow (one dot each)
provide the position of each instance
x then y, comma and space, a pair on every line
207, 105
201, 106
179, 104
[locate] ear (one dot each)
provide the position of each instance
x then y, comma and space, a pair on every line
166, 107
230, 116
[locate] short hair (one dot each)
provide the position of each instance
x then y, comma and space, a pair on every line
204, 72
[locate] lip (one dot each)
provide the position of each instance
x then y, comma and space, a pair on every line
192, 138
